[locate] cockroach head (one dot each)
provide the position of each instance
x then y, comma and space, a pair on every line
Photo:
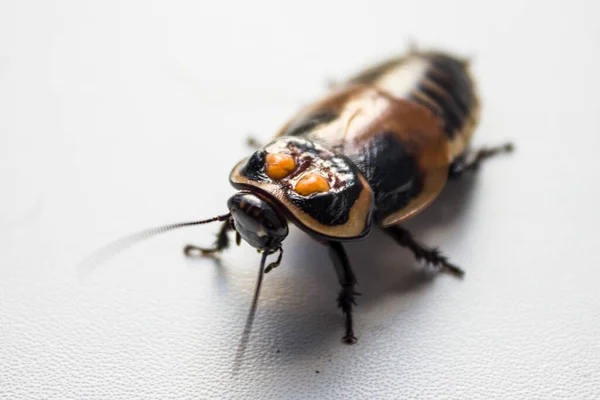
257, 221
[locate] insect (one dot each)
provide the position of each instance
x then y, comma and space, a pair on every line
374, 152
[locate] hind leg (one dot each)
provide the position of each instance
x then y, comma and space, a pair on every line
221, 244
464, 163
430, 256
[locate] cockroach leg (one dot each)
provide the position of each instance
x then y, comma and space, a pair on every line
253, 142
430, 256
277, 262
346, 297
463, 163
221, 244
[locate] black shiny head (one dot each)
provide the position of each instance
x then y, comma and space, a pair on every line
257, 221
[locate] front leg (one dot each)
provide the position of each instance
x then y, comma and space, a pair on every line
346, 297
430, 256
221, 244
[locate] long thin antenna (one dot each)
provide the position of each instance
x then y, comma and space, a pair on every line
110, 250
251, 314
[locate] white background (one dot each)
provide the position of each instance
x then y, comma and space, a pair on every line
117, 116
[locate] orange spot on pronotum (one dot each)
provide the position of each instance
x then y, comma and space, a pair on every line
279, 165
311, 183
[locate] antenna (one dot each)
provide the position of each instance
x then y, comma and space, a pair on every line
110, 250
239, 357
251, 314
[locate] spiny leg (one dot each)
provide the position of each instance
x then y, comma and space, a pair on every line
430, 256
462, 164
221, 244
346, 297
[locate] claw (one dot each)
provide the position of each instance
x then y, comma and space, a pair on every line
349, 339
452, 269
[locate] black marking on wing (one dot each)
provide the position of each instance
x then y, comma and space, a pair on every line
392, 173
453, 92
450, 74
450, 112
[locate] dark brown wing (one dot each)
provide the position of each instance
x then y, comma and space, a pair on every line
437, 81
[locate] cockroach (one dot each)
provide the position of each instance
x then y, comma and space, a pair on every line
375, 151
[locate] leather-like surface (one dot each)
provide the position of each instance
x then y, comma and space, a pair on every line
117, 116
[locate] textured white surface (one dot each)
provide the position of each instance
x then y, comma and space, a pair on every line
116, 116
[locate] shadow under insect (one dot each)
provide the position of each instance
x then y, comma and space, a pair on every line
297, 311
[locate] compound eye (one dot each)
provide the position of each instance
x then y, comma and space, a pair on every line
279, 165
312, 183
